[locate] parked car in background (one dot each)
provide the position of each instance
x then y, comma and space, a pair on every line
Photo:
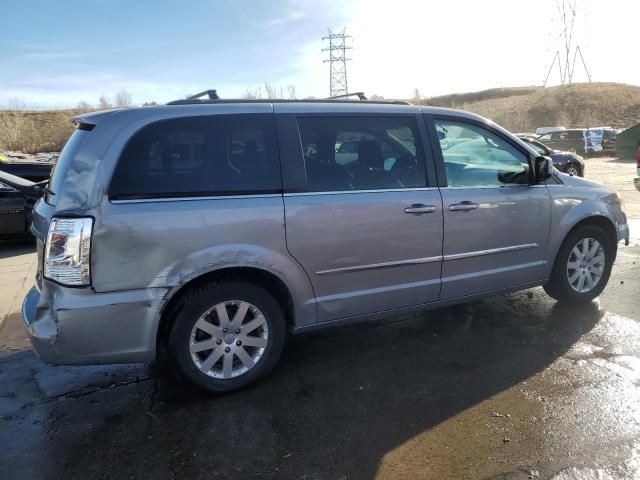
571, 140
566, 162
206, 229
609, 136
598, 140
18, 193
543, 130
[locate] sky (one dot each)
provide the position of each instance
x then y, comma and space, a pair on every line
59, 53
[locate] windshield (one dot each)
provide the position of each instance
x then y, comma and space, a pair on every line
64, 161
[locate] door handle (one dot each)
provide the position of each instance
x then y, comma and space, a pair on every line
420, 208
463, 206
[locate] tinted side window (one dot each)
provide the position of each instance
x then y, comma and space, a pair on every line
475, 156
575, 135
197, 156
361, 153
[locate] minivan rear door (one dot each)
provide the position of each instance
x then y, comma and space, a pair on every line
366, 225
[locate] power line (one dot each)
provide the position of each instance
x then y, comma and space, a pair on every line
568, 13
337, 62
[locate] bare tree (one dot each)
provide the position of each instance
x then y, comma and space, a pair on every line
416, 94
150, 104
82, 105
123, 99
104, 102
252, 94
376, 97
292, 91
270, 90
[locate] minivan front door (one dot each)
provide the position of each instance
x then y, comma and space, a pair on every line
367, 228
496, 225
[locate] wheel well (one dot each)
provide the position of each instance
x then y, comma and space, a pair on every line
267, 280
606, 225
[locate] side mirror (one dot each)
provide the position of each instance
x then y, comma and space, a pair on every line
543, 168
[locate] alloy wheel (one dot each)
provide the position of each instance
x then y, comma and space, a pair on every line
229, 339
585, 265
572, 170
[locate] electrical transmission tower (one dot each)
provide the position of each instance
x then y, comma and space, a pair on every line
337, 62
566, 67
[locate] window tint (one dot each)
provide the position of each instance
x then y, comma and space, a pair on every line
204, 155
474, 156
363, 153
575, 134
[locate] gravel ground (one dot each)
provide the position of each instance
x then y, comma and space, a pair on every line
619, 175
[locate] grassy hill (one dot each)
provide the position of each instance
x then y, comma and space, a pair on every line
525, 108
519, 109
35, 131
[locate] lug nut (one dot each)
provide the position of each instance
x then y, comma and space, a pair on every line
219, 341
238, 343
227, 349
237, 331
225, 330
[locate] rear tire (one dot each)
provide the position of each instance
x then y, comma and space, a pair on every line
582, 267
226, 335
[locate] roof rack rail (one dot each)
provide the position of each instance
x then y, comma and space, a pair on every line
212, 94
360, 95
213, 98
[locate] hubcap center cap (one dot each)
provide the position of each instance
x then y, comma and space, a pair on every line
229, 338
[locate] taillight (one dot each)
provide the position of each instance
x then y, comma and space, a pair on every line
66, 253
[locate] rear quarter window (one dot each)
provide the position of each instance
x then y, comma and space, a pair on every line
199, 156
64, 161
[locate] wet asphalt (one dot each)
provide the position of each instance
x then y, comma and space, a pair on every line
512, 387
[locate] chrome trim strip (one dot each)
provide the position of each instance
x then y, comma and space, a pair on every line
191, 199
419, 261
373, 266
483, 187
478, 253
339, 192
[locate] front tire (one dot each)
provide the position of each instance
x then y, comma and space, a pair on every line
574, 169
582, 267
226, 335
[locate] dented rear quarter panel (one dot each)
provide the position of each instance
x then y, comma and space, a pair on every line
169, 243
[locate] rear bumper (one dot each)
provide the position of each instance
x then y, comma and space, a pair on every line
70, 326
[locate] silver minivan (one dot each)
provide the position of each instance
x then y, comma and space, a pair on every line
207, 229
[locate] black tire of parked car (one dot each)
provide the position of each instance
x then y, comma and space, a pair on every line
558, 286
196, 302
577, 167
